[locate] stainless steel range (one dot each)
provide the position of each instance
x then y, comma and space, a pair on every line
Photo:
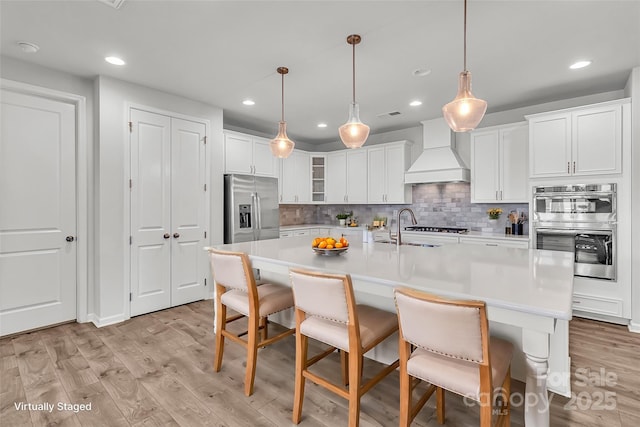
436, 229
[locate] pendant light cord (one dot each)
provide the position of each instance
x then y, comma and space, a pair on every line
465, 35
354, 71
282, 98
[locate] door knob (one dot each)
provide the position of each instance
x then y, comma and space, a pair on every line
70, 239
176, 235
166, 235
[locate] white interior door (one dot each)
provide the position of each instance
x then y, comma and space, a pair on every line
150, 212
188, 209
37, 212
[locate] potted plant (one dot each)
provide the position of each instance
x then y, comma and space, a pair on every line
342, 217
494, 213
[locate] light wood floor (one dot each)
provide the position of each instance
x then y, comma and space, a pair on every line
156, 370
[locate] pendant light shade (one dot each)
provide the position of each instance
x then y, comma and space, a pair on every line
281, 146
354, 133
466, 111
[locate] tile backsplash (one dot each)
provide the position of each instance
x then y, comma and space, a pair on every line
443, 204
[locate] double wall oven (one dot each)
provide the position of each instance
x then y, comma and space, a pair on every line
579, 219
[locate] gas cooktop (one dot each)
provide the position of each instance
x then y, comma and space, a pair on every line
425, 228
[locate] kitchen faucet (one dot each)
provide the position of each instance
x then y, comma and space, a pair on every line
397, 237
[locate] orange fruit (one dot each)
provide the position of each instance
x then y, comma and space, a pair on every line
331, 241
329, 246
322, 244
345, 244
338, 245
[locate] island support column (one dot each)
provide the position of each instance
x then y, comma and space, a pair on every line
535, 345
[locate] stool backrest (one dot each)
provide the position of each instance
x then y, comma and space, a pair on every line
231, 269
327, 296
453, 328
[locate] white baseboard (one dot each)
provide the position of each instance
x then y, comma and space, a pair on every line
106, 321
634, 327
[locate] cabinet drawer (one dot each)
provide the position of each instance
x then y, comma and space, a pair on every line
285, 234
599, 305
523, 244
297, 233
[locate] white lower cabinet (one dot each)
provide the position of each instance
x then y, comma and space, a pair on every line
428, 239
506, 242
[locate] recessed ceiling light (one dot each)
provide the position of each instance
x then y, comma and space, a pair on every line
249, 102
322, 125
28, 47
580, 64
421, 72
114, 60
415, 103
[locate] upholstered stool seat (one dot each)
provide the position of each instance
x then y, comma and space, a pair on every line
271, 299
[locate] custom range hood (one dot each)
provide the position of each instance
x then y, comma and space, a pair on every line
439, 161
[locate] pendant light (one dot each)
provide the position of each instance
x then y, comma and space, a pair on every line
354, 133
465, 112
281, 146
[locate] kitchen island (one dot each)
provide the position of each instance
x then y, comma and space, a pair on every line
528, 295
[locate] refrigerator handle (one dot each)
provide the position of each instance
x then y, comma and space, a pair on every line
258, 212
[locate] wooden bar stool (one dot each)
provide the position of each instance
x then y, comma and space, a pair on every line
453, 351
236, 289
326, 311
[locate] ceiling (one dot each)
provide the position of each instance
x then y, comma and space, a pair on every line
222, 52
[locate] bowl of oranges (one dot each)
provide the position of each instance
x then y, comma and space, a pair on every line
329, 246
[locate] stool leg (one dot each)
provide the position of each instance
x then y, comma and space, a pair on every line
221, 322
405, 386
263, 328
355, 378
344, 366
252, 354
302, 344
440, 404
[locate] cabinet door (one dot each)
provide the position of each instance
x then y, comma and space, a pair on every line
318, 173
597, 140
303, 177
357, 176
288, 179
264, 163
396, 165
550, 146
485, 172
336, 177
377, 174
238, 155
514, 179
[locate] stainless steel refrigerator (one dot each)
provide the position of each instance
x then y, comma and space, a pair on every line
251, 210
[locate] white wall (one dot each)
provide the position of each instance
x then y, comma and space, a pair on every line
112, 239
632, 90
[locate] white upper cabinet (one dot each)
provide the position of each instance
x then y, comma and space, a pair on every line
387, 164
577, 142
346, 180
250, 155
499, 164
295, 178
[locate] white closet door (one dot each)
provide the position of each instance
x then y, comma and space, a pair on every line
37, 212
188, 208
150, 212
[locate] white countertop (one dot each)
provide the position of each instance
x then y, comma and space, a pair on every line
526, 280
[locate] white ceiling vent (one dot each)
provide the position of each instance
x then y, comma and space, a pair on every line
389, 114
113, 3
